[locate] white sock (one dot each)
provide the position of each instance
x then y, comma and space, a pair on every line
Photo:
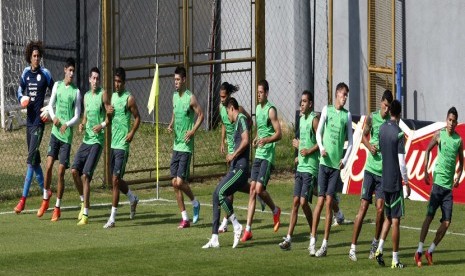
184, 215
352, 247
380, 245
82, 198
58, 204
86, 211
234, 221
339, 214
395, 257
420, 247
248, 228
195, 202
288, 238
214, 238
45, 194
113, 213
312, 240
375, 241
324, 243
431, 247
130, 196
275, 211
225, 222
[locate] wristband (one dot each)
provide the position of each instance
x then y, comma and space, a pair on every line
104, 124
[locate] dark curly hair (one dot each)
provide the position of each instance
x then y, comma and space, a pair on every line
31, 46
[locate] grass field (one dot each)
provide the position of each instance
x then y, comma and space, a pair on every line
151, 245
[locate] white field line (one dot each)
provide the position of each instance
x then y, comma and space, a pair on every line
154, 201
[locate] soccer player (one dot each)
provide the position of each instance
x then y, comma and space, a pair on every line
88, 154
450, 147
185, 107
372, 178
307, 168
268, 133
123, 105
334, 127
227, 134
236, 177
33, 84
391, 145
66, 100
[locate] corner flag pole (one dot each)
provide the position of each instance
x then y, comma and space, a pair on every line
156, 124
153, 103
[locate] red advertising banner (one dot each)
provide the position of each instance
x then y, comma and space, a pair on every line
416, 143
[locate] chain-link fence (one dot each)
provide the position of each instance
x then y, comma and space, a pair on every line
385, 47
219, 47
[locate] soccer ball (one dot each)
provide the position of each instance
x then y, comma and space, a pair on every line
44, 115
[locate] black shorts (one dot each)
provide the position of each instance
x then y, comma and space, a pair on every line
86, 159
303, 185
394, 204
371, 184
180, 164
261, 170
119, 158
328, 181
440, 196
34, 136
59, 150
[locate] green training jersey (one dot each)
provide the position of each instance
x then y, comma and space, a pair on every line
307, 140
121, 120
64, 110
374, 162
334, 136
229, 129
444, 170
183, 121
265, 129
95, 114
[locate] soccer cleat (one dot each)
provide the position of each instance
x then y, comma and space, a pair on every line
223, 228
84, 220
276, 221
321, 252
132, 213
262, 203
417, 258
109, 224
195, 217
338, 220
352, 255
81, 212
44, 206
20, 207
56, 214
246, 236
311, 249
397, 265
379, 258
285, 244
237, 236
429, 257
374, 247
184, 224
211, 244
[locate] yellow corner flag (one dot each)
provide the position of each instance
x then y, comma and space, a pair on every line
154, 91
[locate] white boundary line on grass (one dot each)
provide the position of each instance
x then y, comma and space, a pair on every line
210, 205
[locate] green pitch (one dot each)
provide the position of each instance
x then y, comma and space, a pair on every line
151, 244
